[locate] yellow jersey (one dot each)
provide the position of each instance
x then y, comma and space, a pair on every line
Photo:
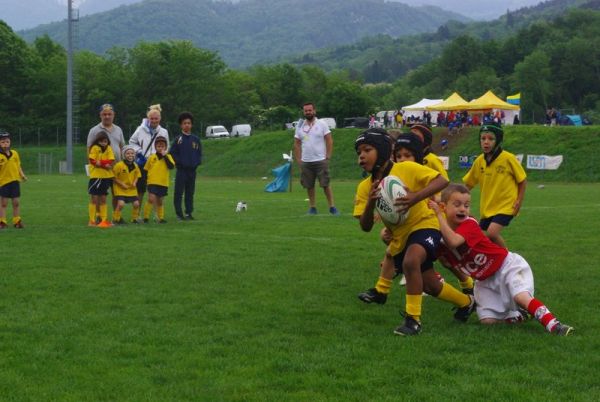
10, 167
415, 177
128, 176
158, 170
432, 161
105, 157
498, 182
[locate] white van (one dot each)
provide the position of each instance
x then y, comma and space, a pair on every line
330, 121
216, 132
241, 130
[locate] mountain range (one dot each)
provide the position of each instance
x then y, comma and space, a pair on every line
250, 31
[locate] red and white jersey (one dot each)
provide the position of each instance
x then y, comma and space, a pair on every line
478, 257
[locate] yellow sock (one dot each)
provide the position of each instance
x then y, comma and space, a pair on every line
92, 212
468, 284
452, 295
103, 212
160, 211
383, 285
147, 210
116, 215
135, 213
16, 219
413, 306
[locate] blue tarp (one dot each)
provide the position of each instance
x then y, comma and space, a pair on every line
571, 120
282, 179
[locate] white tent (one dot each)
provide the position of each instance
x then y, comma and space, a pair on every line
418, 109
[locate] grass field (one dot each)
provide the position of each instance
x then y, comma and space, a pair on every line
261, 305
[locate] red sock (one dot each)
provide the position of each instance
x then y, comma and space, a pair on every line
541, 313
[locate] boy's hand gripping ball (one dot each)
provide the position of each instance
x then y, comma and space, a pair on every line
391, 188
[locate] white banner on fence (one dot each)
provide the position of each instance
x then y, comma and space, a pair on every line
445, 161
544, 162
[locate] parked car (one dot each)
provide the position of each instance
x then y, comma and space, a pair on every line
330, 122
356, 122
241, 130
216, 132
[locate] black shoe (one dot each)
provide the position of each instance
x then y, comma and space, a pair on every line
135, 221
462, 314
372, 296
409, 328
162, 221
146, 220
189, 217
562, 330
180, 217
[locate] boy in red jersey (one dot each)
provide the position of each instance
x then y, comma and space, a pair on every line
504, 279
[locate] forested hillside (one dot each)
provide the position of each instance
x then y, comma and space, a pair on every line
383, 58
251, 31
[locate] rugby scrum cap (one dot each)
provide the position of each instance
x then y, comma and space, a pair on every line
425, 132
4, 134
412, 143
497, 131
380, 140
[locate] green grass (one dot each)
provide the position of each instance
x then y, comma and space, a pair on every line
262, 305
255, 156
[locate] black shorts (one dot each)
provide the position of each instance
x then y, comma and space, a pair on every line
429, 239
126, 199
313, 170
159, 191
500, 219
99, 186
142, 182
11, 190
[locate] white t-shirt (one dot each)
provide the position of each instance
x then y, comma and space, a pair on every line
312, 137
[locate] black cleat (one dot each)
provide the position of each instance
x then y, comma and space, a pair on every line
409, 328
372, 296
562, 330
189, 217
462, 314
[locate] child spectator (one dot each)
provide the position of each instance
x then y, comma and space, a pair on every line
504, 279
158, 166
101, 160
187, 153
127, 173
10, 176
414, 243
502, 180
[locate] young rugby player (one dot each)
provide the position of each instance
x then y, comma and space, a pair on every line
101, 160
158, 166
10, 176
502, 180
126, 174
414, 243
504, 279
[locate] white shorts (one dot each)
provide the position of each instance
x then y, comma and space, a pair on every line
495, 295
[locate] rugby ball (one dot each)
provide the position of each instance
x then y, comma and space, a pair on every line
391, 187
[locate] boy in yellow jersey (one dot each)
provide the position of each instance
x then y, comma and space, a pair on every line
409, 147
10, 176
101, 160
158, 166
503, 182
127, 174
430, 159
414, 243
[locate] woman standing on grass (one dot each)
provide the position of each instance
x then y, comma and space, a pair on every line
142, 142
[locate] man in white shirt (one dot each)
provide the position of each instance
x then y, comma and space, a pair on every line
313, 146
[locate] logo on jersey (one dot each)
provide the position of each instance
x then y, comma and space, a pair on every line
479, 261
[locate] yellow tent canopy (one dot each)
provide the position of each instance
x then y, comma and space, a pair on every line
489, 101
453, 102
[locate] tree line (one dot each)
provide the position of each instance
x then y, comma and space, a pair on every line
551, 64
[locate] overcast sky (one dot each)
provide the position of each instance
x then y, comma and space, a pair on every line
23, 14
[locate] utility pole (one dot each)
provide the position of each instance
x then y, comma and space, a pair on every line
70, 88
